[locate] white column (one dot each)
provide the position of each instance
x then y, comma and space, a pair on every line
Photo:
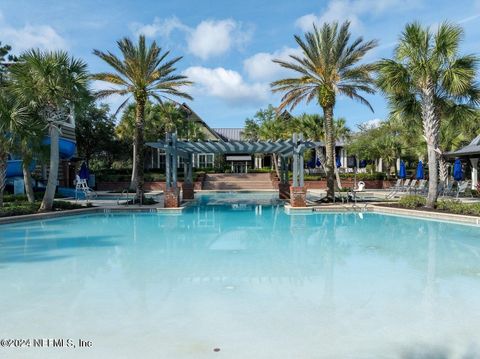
474, 162
398, 164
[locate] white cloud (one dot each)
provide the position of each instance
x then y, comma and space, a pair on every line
353, 10
31, 36
261, 67
209, 38
227, 85
373, 123
159, 27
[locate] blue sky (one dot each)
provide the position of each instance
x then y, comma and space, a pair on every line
227, 46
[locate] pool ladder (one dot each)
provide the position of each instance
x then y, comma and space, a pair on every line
124, 194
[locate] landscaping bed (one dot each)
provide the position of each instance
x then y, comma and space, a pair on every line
17, 206
449, 206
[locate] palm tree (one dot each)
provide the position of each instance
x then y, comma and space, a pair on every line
329, 67
143, 72
50, 83
428, 70
313, 127
13, 120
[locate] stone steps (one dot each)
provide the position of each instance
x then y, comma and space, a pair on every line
240, 181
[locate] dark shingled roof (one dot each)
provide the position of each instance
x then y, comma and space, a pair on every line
227, 134
472, 149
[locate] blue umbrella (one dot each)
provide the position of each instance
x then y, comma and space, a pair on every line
311, 163
339, 164
419, 170
318, 162
403, 172
363, 164
457, 170
84, 173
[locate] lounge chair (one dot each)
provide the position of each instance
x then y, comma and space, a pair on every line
462, 188
422, 187
411, 187
406, 185
394, 189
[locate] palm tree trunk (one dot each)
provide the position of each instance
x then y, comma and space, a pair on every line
139, 150
275, 164
430, 128
133, 179
330, 151
443, 165
27, 178
47, 202
337, 178
3, 174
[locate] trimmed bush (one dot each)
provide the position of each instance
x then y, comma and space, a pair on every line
457, 207
412, 201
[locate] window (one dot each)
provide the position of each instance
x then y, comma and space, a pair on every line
205, 160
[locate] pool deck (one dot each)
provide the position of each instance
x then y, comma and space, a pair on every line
375, 197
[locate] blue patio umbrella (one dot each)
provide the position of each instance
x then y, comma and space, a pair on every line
403, 172
84, 173
457, 170
420, 174
318, 164
363, 164
338, 162
311, 163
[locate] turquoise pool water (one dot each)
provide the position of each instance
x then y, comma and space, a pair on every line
247, 279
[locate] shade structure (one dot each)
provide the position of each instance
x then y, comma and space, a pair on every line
403, 172
420, 173
457, 170
84, 173
338, 162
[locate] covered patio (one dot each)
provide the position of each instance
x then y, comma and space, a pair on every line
470, 152
175, 149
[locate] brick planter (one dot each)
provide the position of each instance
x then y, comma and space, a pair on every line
284, 190
188, 191
172, 198
298, 196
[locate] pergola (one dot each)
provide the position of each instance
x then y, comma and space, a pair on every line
175, 148
472, 152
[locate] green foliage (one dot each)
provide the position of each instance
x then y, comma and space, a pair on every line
457, 207
18, 207
95, 133
412, 201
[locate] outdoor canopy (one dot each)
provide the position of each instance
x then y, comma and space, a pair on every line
457, 170
420, 174
402, 173
84, 173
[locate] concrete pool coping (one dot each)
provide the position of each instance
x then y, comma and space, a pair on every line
367, 207
375, 207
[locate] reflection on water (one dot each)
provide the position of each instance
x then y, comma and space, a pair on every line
248, 276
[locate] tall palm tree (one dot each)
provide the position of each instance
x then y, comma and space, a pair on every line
427, 69
142, 73
328, 67
50, 83
13, 120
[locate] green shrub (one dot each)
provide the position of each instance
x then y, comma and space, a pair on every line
62, 205
18, 208
412, 201
457, 207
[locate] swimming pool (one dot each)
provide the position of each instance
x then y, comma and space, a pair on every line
253, 282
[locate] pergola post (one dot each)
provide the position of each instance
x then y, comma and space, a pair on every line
188, 187
171, 194
284, 185
474, 163
298, 192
